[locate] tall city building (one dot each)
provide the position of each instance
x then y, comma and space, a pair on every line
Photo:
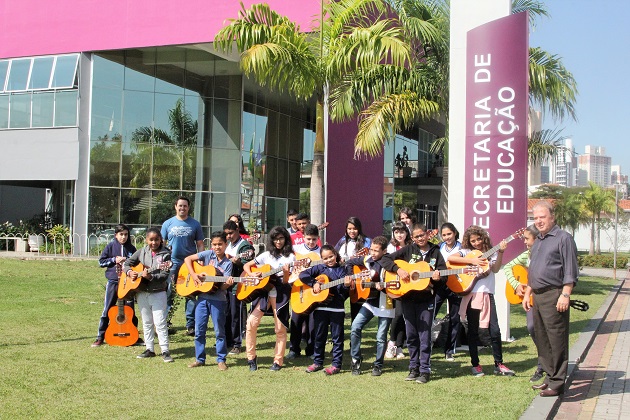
563, 171
596, 165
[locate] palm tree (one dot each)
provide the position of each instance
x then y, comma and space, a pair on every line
352, 38
597, 200
569, 211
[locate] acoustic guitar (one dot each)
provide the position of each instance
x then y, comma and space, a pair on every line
316, 259
247, 292
463, 283
121, 331
304, 300
361, 290
520, 274
186, 286
420, 274
126, 285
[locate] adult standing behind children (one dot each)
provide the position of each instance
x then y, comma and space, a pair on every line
184, 236
113, 256
553, 271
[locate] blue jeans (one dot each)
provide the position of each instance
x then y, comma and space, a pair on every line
360, 321
216, 309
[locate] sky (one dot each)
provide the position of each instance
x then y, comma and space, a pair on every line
593, 38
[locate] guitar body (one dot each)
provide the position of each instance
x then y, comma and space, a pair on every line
185, 285
416, 282
126, 286
463, 283
520, 273
121, 331
304, 300
311, 257
247, 292
359, 293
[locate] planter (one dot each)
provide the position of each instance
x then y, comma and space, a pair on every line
21, 245
34, 242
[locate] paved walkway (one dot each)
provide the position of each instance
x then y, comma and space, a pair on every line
599, 362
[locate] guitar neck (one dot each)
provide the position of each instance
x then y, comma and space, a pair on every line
274, 271
340, 281
495, 248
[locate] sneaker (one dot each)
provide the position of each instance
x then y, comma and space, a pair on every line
390, 353
235, 351
333, 370
450, 357
356, 367
423, 378
413, 375
190, 332
314, 368
399, 353
275, 367
376, 371
222, 366
145, 354
537, 376
253, 366
98, 342
196, 363
167, 357
477, 371
501, 369
292, 355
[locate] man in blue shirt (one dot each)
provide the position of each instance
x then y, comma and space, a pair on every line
184, 236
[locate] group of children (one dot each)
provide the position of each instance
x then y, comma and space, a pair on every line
410, 317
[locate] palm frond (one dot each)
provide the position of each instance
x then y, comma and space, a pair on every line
535, 8
544, 144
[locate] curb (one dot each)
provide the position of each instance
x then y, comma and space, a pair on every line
546, 408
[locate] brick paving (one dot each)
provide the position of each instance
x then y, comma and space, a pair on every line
600, 386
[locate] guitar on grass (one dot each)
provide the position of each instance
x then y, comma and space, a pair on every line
121, 331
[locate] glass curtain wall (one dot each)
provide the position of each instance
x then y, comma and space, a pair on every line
171, 121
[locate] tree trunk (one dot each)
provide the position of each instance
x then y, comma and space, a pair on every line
317, 173
598, 249
591, 250
443, 206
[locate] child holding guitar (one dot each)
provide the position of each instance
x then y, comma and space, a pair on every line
397, 336
151, 293
479, 306
212, 304
417, 305
377, 304
302, 325
112, 258
331, 313
280, 254
349, 245
529, 237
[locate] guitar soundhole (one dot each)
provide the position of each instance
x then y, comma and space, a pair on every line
414, 277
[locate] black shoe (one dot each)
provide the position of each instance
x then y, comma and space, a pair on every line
190, 332
145, 354
376, 371
275, 367
167, 357
253, 366
423, 378
356, 367
537, 376
293, 355
413, 375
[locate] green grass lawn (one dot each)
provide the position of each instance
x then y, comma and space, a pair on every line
50, 312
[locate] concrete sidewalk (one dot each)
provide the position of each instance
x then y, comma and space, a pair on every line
597, 385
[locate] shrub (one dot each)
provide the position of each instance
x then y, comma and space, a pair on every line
604, 261
58, 240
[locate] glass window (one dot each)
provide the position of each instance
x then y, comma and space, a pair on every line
167, 166
103, 205
137, 116
195, 107
170, 119
199, 72
169, 71
228, 82
140, 70
294, 180
40, 73
136, 165
276, 212
284, 136
4, 67
105, 163
135, 206
196, 169
222, 205
296, 139
4, 111
20, 110
106, 113
162, 206
65, 71
108, 71
272, 134
18, 74
271, 177
283, 172
43, 109
225, 170
226, 123
66, 108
